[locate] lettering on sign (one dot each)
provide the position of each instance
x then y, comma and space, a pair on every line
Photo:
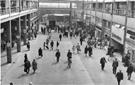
117, 37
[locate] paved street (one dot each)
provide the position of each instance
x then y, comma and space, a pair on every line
84, 70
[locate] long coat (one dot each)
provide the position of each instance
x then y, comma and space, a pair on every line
130, 69
34, 65
119, 76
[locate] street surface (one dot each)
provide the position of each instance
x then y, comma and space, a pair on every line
84, 70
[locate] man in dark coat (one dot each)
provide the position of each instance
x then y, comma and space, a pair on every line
69, 54
40, 52
90, 51
27, 66
81, 40
57, 55
52, 43
119, 76
129, 71
115, 65
60, 36
102, 62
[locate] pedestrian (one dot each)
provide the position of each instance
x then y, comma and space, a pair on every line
47, 42
25, 57
71, 35
57, 44
85, 50
119, 77
112, 51
115, 65
129, 71
60, 37
102, 62
27, 66
51, 44
57, 55
69, 57
89, 50
28, 45
73, 48
81, 40
44, 45
108, 50
34, 65
78, 48
40, 52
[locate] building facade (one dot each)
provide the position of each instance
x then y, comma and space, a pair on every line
114, 19
18, 24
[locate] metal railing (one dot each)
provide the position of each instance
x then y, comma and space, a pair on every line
4, 10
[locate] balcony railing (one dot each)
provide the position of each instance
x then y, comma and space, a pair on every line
131, 13
4, 10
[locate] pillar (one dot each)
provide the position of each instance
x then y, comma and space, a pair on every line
103, 30
24, 30
18, 34
70, 22
9, 42
29, 28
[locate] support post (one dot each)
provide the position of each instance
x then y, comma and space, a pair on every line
18, 34
9, 42
24, 30
29, 28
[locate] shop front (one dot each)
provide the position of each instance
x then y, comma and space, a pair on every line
117, 40
98, 32
130, 49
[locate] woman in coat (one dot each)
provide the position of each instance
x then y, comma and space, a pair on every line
85, 50
73, 48
34, 65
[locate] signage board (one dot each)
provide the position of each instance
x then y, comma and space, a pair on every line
118, 34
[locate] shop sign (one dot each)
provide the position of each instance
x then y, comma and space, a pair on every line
99, 28
117, 34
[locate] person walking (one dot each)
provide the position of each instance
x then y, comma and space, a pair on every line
69, 56
27, 66
85, 50
78, 48
115, 65
34, 65
119, 77
40, 52
102, 62
25, 57
71, 34
28, 45
81, 40
57, 44
44, 45
129, 71
89, 50
51, 44
73, 48
60, 37
57, 55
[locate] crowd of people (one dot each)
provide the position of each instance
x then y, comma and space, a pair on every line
85, 35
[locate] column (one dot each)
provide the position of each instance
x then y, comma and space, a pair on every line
9, 42
102, 30
24, 30
29, 28
18, 34
70, 24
